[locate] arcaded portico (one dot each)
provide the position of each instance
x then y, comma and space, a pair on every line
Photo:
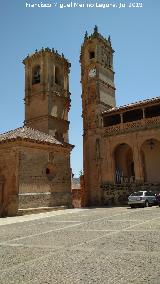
150, 155
131, 151
134, 144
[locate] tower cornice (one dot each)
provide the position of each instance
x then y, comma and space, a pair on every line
43, 52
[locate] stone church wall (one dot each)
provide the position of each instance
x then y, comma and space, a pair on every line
44, 178
8, 181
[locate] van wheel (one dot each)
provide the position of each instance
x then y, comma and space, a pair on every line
146, 203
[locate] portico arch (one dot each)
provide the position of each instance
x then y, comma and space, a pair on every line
150, 155
124, 164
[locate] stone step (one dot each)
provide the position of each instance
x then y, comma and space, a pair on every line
37, 210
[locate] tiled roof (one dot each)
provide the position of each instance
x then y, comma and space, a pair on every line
27, 133
132, 105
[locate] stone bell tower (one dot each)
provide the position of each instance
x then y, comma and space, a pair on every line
47, 96
98, 95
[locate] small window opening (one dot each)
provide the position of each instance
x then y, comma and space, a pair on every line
91, 55
36, 75
50, 171
111, 120
59, 136
57, 76
47, 171
152, 111
132, 115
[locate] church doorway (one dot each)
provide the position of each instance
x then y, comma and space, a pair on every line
150, 155
124, 164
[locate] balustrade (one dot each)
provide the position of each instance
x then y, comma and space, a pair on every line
132, 126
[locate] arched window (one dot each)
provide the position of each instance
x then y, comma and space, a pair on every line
59, 136
150, 158
47, 171
36, 78
50, 171
124, 164
57, 76
91, 54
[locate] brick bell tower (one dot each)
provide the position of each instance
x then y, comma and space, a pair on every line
47, 96
98, 94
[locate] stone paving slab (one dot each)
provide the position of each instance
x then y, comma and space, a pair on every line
26, 218
86, 266
24, 229
100, 245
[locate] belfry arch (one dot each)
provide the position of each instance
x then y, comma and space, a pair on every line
124, 164
150, 155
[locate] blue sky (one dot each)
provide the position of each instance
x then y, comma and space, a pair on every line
135, 35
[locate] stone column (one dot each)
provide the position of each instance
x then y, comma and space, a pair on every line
144, 117
137, 161
110, 162
121, 116
143, 109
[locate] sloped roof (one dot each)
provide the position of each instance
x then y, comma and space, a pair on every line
26, 133
132, 105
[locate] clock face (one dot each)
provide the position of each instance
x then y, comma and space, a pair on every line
92, 73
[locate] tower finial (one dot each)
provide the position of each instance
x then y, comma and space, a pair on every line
109, 39
86, 35
95, 29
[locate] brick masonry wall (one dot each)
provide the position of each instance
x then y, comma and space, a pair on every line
8, 177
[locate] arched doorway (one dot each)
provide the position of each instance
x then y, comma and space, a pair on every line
150, 155
124, 164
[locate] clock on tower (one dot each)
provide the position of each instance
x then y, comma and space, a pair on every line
92, 72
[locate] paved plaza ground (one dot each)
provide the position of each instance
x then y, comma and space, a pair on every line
99, 245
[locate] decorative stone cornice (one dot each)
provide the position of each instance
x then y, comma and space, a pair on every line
43, 52
44, 117
107, 84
